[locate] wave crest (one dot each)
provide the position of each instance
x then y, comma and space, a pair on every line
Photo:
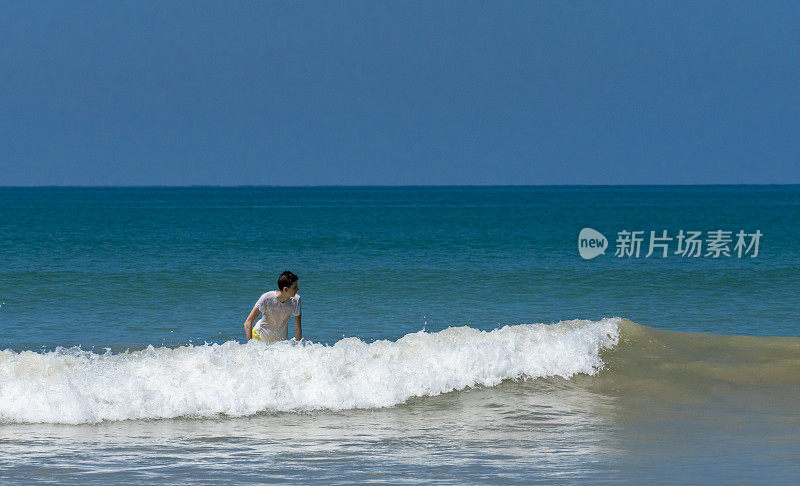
75, 386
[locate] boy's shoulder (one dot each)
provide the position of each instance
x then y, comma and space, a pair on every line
269, 295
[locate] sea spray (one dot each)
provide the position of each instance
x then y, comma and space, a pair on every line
76, 386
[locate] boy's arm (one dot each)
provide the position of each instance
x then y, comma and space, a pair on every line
248, 323
298, 331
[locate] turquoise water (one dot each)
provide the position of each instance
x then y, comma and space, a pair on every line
116, 288
128, 267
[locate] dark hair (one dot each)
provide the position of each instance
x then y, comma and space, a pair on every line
286, 279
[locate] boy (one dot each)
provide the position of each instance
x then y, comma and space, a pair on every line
275, 308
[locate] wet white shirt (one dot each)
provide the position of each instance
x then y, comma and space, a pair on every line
274, 323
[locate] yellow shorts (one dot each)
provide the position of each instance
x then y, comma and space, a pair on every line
255, 335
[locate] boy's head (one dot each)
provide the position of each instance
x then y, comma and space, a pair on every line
286, 280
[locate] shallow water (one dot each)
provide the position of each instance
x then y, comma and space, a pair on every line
733, 419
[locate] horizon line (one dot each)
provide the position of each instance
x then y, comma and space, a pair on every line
144, 186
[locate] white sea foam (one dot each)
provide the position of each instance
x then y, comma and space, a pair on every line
74, 386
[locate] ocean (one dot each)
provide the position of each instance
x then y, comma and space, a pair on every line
512, 334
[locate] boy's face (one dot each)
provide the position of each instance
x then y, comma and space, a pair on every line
291, 291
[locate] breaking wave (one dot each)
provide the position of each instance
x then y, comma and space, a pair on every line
75, 386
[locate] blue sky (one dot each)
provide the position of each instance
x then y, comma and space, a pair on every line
396, 93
